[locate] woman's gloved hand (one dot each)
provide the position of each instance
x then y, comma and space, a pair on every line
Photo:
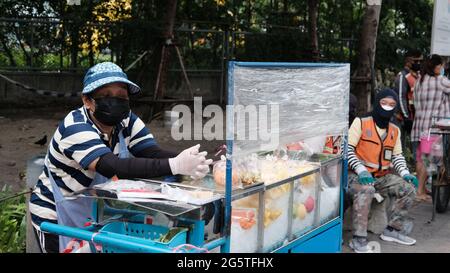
365, 178
411, 179
190, 162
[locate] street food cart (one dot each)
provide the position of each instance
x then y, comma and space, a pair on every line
280, 191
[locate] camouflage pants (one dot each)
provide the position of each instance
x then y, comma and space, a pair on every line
402, 193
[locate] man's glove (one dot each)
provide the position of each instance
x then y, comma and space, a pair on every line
202, 170
411, 179
365, 178
190, 162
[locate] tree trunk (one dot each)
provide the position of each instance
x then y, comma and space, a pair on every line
74, 46
313, 8
27, 56
90, 33
163, 65
367, 48
249, 14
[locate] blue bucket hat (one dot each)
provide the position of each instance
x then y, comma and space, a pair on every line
105, 73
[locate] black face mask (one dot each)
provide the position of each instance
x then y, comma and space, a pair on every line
415, 67
111, 110
381, 116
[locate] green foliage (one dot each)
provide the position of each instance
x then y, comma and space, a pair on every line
12, 222
404, 25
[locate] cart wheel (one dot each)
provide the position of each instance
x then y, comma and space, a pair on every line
441, 192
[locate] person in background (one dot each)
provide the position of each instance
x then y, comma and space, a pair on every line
432, 98
374, 143
404, 86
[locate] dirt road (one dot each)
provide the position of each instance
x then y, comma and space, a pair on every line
20, 128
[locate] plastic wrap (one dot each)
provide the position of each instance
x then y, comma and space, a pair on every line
312, 101
196, 197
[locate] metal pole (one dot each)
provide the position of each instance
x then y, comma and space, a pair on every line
229, 169
222, 65
31, 44
290, 236
180, 59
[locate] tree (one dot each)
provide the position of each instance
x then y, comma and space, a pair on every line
164, 47
367, 48
313, 8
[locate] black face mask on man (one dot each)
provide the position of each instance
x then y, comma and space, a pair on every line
383, 114
111, 110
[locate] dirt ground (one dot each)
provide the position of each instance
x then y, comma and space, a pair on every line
20, 128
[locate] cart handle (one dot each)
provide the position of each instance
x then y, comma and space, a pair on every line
101, 238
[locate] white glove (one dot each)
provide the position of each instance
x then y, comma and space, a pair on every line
202, 170
190, 162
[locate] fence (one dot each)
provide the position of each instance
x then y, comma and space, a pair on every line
53, 62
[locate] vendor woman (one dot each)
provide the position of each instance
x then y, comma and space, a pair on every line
95, 142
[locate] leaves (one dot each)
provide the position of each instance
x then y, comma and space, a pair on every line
12, 222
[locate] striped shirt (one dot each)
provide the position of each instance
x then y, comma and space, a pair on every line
77, 142
431, 98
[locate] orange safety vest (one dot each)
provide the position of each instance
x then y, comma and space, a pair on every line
331, 146
372, 151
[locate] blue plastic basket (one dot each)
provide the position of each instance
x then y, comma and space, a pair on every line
150, 233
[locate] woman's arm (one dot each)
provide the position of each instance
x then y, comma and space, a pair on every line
109, 165
445, 83
354, 135
155, 151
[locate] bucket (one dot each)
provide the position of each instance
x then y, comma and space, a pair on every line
426, 142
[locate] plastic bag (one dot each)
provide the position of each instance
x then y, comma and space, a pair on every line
314, 145
248, 169
122, 184
436, 148
197, 197
79, 246
219, 173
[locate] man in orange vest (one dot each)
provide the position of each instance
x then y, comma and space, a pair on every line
374, 148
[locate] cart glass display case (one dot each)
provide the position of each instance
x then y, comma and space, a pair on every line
289, 120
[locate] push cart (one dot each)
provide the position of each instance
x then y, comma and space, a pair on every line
441, 180
293, 204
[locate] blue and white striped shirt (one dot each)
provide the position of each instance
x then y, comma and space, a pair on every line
77, 142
